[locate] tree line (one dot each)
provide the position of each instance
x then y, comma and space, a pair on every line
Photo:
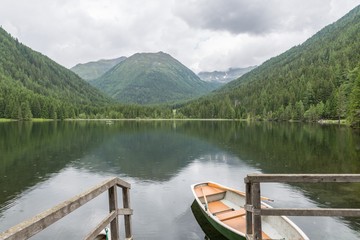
315, 80
319, 79
343, 103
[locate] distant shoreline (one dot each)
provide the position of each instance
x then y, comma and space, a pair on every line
321, 122
157, 119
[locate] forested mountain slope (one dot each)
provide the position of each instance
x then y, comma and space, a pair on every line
151, 78
32, 85
314, 80
92, 70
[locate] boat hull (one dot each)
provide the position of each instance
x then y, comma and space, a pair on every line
229, 234
223, 208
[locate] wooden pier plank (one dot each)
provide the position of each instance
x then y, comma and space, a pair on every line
324, 212
41, 221
253, 212
303, 178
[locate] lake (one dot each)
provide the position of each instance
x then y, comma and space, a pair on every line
43, 164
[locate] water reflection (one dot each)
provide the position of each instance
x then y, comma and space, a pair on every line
148, 154
162, 159
209, 230
31, 152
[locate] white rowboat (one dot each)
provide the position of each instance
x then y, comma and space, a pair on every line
223, 207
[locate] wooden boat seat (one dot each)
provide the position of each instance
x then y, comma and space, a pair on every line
231, 214
207, 191
239, 223
217, 206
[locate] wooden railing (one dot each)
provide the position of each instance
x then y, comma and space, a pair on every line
41, 221
253, 205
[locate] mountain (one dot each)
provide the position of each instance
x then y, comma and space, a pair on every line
92, 70
224, 77
317, 79
32, 85
151, 78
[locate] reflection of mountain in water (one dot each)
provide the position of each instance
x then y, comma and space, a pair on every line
296, 148
31, 152
285, 148
148, 154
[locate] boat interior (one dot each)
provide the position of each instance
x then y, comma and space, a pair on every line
225, 206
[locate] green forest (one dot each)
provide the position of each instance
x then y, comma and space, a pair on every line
319, 79
34, 86
151, 78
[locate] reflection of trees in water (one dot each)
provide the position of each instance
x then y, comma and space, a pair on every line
297, 148
285, 147
156, 150
147, 155
208, 229
31, 152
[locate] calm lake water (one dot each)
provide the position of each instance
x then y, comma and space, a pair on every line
43, 164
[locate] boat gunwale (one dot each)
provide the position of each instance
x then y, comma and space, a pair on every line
291, 223
211, 215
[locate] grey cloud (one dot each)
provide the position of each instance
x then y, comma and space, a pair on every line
203, 34
236, 16
254, 17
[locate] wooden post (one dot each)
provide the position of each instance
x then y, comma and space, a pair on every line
127, 218
256, 210
113, 206
249, 226
36, 224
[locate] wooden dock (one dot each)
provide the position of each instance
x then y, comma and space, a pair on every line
41, 221
254, 211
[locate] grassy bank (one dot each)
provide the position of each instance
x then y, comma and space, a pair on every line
31, 120
323, 121
41, 120
328, 121
5, 120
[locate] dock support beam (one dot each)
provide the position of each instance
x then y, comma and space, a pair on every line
41, 221
256, 210
113, 206
253, 199
249, 226
127, 218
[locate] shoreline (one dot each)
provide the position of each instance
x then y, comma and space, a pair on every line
343, 122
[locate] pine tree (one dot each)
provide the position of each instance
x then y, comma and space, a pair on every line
299, 111
354, 106
26, 111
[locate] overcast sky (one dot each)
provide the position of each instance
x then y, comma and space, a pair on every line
205, 35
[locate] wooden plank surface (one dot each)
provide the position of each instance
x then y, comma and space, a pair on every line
255, 193
41, 221
346, 212
217, 207
231, 214
101, 226
202, 190
303, 178
127, 217
113, 206
252, 200
248, 196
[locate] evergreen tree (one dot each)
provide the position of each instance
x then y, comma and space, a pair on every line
354, 107
26, 111
317, 73
299, 111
